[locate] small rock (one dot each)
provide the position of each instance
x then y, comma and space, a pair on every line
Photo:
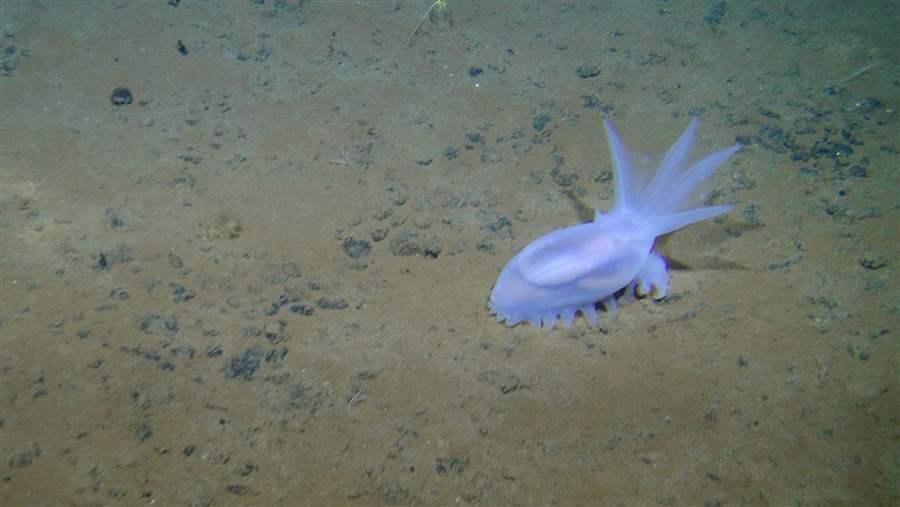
399, 193
379, 233
332, 303
586, 71
356, 248
872, 261
121, 96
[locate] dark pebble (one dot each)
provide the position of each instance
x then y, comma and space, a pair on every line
431, 248
540, 121
768, 113
183, 351
175, 261
751, 213
455, 464
869, 105
277, 274
102, 263
115, 221
408, 244
356, 248
871, 261
858, 171
283, 300
180, 293
144, 431
476, 137
276, 357
291, 269
586, 71
332, 303
247, 469
237, 489
301, 309
399, 194
156, 324
25, 457
594, 102
244, 365
274, 332
495, 223
714, 15
121, 96
379, 233
563, 179
485, 246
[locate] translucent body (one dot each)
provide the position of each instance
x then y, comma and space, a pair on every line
571, 269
